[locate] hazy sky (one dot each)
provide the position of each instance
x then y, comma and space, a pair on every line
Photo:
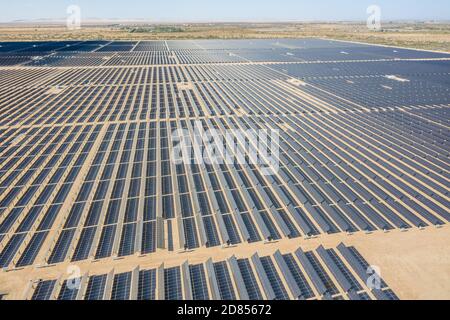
225, 10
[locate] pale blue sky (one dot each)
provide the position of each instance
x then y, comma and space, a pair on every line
226, 10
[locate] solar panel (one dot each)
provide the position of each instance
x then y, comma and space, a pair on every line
249, 279
172, 284
198, 282
345, 271
95, 287
32, 249
329, 284
69, 290
105, 245
11, 248
147, 285
224, 282
299, 278
121, 286
274, 279
43, 290
61, 246
127, 241
82, 250
148, 237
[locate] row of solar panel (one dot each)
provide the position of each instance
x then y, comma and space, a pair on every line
344, 53
377, 92
89, 104
21, 78
444, 182
437, 115
363, 68
430, 187
216, 51
77, 60
100, 104
146, 102
50, 188
435, 177
340, 93
307, 43
255, 97
115, 76
20, 47
319, 195
433, 71
338, 274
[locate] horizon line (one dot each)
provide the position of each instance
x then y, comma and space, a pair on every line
259, 21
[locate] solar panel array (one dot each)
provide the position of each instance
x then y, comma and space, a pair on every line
86, 133
336, 273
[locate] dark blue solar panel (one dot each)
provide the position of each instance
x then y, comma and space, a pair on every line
329, 284
231, 229
127, 241
32, 249
106, 242
274, 279
95, 287
212, 238
69, 289
121, 286
172, 284
198, 282
43, 290
147, 285
149, 237
190, 232
299, 278
62, 246
83, 247
223, 278
11, 248
250, 282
